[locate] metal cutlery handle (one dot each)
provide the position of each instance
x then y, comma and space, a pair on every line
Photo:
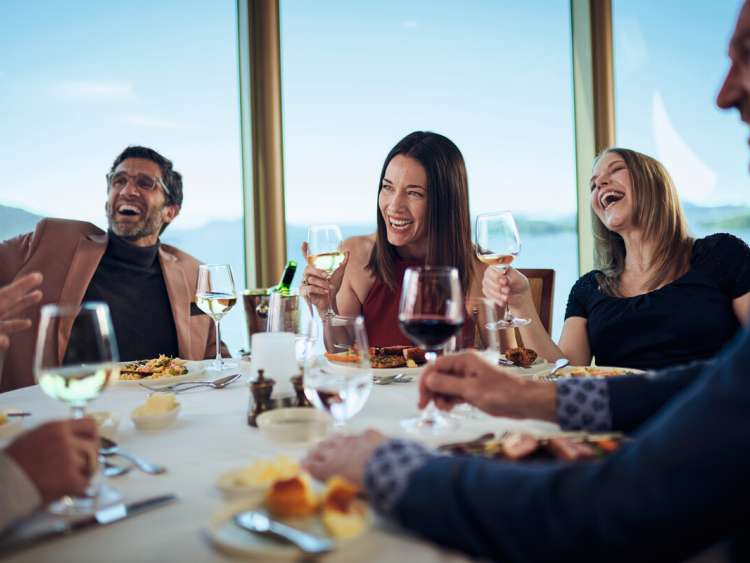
144, 466
193, 386
174, 386
306, 542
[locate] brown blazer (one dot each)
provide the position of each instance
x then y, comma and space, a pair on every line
68, 253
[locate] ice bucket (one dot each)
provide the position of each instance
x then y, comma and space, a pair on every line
256, 302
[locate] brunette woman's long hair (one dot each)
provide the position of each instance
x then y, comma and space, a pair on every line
448, 223
656, 210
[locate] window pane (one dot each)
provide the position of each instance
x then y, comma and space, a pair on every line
84, 80
494, 77
667, 76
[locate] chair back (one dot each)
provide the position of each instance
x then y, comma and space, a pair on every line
542, 282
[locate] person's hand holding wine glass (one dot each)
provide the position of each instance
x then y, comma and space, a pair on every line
324, 273
77, 376
498, 245
431, 312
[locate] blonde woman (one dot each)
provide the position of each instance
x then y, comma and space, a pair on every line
658, 297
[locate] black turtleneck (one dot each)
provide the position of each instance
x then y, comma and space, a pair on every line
129, 279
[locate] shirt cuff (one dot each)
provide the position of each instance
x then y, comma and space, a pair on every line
583, 404
18, 495
388, 471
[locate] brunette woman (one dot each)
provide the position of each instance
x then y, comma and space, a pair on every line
423, 219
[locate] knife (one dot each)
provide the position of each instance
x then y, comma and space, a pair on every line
102, 517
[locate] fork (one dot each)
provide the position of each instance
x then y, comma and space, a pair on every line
185, 385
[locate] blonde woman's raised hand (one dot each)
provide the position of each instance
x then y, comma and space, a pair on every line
509, 287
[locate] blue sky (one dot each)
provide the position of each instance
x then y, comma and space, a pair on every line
81, 80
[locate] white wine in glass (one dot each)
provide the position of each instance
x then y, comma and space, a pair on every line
498, 244
77, 375
215, 295
324, 253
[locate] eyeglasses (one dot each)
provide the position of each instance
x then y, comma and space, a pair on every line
144, 182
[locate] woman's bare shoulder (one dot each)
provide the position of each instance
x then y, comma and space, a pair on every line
360, 247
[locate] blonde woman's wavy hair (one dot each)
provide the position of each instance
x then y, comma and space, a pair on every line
657, 211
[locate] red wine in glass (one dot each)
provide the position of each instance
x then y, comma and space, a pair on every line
430, 333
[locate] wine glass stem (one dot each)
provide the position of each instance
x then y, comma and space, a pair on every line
77, 411
508, 317
430, 413
218, 343
330, 312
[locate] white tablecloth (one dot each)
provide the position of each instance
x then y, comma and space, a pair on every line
210, 437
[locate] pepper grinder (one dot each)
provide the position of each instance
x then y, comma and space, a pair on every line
261, 390
299, 389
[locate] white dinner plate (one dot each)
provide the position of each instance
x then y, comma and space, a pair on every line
232, 539
195, 370
606, 371
343, 367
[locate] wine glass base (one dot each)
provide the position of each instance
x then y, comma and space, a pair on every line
429, 426
222, 366
513, 323
78, 506
466, 411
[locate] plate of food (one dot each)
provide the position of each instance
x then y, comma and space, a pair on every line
594, 371
337, 514
521, 446
163, 369
388, 360
522, 361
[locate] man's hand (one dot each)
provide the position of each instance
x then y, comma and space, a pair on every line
14, 298
469, 378
58, 457
345, 456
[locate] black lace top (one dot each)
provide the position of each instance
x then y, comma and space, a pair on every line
688, 319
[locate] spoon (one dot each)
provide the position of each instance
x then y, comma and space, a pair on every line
257, 522
395, 378
559, 364
111, 469
109, 447
178, 387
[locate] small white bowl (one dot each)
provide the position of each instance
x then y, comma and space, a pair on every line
294, 425
155, 421
231, 490
11, 427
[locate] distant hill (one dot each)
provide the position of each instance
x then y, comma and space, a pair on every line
14, 221
222, 241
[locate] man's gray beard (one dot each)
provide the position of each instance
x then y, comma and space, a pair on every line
132, 232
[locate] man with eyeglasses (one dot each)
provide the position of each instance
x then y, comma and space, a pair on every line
149, 286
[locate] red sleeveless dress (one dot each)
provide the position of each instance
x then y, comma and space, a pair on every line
380, 310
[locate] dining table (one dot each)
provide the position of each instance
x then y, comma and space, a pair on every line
211, 436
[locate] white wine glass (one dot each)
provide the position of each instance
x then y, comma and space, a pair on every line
215, 295
498, 245
76, 375
339, 381
431, 314
324, 253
